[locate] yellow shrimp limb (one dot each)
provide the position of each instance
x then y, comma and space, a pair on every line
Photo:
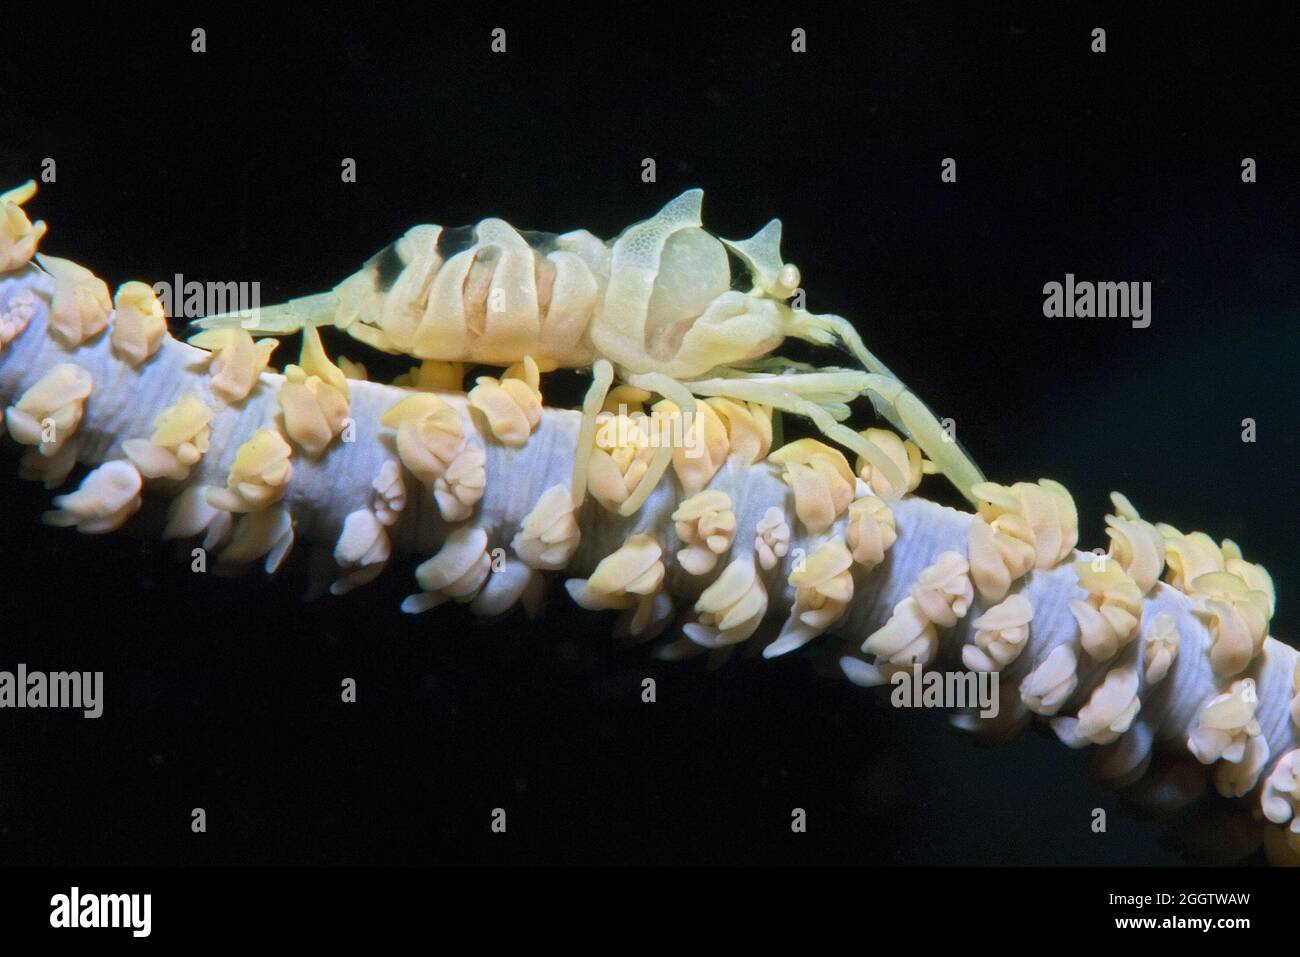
771, 391
907, 412
602, 375
680, 396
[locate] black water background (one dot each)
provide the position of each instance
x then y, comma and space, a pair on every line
224, 694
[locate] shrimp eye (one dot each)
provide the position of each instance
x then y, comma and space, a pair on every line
787, 282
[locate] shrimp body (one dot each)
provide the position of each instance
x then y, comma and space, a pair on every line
657, 299
658, 305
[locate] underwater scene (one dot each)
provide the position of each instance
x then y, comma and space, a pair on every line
558, 437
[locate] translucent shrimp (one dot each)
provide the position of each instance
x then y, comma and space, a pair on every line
655, 308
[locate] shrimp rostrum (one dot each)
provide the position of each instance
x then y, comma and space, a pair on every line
655, 309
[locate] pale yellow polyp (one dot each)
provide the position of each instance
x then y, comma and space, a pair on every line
1234, 779
15, 317
703, 443
388, 493
314, 413
266, 534
1225, 724
629, 578
549, 534
19, 236
80, 304
771, 538
433, 375
139, 323
1236, 616
48, 413
1280, 797
52, 471
1048, 686
1255, 576
1108, 620
907, 638
190, 514
361, 552
181, 435
1000, 635
1160, 647
103, 502
457, 573
905, 455
634, 569
352, 371
512, 404
1111, 708
1039, 514
236, 362
822, 481
1233, 597
511, 582
314, 397
313, 362
625, 400
461, 486
749, 427
996, 559
620, 458
943, 590
823, 588
460, 567
1279, 801
430, 435
1136, 544
870, 530
706, 525
1188, 557
259, 476
731, 609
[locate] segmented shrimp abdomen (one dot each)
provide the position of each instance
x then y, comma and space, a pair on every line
508, 295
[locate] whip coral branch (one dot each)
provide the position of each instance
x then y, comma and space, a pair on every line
1161, 646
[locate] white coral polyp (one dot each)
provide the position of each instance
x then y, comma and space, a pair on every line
103, 502
1000, 635
943, 590
1226, 725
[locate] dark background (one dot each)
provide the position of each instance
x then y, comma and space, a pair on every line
224, 694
